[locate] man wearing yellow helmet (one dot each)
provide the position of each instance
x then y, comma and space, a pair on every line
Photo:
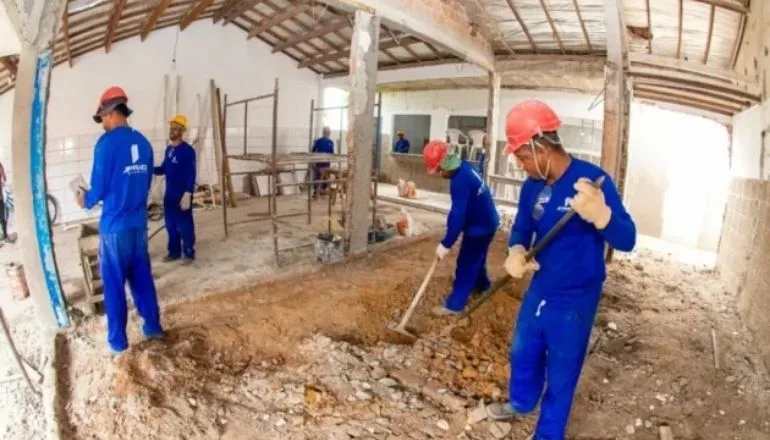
179, 168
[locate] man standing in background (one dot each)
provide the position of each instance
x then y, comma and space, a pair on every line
323, 144
179, 168
120, 178
402, 144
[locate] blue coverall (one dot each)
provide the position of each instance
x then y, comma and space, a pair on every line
179, 168
120, 178
321, 145
402, 146
558, 311
473, 213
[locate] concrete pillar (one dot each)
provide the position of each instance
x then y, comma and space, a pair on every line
617, 99
493, 122
360, 136
36, 21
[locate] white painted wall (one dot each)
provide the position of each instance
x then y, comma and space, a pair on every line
747, 142
204, 51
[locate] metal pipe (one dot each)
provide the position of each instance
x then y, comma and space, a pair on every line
274, 194
309, 175
245, 125
339, 141
256, 98
377, 147
323, 109
224, 167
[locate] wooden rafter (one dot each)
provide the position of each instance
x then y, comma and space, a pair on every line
553, 26
649, 26
324, 29
668, 98
193, 13
696, 68
522, 25
11, 64
738, 42
499, 32
227, 7
112, 26
671, 84
732, 105
433, 49
154, 16
583, 25
710, 35
730, 5
239, 10
681, 30
277, 19
345, 52
694, 80
65, 28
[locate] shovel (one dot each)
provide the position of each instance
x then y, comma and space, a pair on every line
401, 327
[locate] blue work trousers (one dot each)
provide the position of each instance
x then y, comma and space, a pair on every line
124, 256
549, 347
471, 271
180, 228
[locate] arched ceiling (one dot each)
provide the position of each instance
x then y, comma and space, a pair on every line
677, 48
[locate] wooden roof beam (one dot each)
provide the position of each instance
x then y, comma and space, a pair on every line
738, 42
744, 90
11, 64
684, 102
522, 25
65, 28
193, 13
687, 67
112, 25
710, 35
681, 30
553, 26
649, 26
704, 91
277, 19
156, 14
345, 52
242, 8
325, 28
730, 5
227, 7
732, 105
583, 25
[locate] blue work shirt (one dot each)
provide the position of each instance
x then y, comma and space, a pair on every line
179, 168
473, 211
121, 177
574, 260
323, 145
402, 146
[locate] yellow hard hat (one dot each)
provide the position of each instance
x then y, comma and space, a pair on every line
179, 119
400, 131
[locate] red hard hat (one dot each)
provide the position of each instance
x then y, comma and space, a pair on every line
433, 154
526, 120
111, 98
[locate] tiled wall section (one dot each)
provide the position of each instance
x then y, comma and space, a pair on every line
744, 254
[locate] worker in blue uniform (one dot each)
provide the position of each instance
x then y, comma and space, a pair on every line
402, 144
473, 214
120, 179
557, 313
179, 167
324, 144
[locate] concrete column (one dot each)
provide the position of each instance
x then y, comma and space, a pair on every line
36, 21
360, 136
493, 121
616, 121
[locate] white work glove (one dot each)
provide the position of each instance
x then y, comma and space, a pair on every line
516, 264
441, 252
186, 203
590, 205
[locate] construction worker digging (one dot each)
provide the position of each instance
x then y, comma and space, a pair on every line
473, 214
179, 168
120, 178
557, 313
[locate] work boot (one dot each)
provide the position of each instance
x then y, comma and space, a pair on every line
500, 412
441, 311
169, 258
155, 336
187, 261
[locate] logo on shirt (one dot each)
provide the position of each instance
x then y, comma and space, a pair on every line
565, 207
483, 186
135, 168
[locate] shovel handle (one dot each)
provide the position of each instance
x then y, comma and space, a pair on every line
418, 296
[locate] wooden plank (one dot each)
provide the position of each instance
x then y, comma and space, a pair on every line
681, 30
193, 13
730, 5
553, 26
583, 25
695, 68
738, 42
694, 80
710, 35
649, 26
156, 14
325, 28
703, 105
112, 26
11, 64
344, 53
731, 105
673, 87
227, 7
241, 9
66, 31
277, 19
522, 24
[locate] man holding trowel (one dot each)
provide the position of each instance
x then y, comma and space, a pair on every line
179, 167
558, 310
473, 213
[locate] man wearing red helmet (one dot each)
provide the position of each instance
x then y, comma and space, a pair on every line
473, 214
120, 178
558, 310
